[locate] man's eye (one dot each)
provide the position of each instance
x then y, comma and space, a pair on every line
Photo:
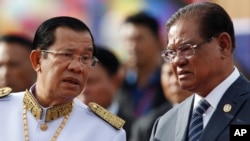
85, 58
66, 54
170, 52
185, 47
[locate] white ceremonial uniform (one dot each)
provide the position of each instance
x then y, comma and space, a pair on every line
81, 125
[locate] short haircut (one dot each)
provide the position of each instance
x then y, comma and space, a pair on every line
107, 59
212, 18
44, 36
17, 39
143, 18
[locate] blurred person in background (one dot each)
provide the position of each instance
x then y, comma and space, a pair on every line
172, 90
15, 67
104, 83
173, 93
141, 90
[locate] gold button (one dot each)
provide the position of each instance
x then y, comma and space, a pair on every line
44, 127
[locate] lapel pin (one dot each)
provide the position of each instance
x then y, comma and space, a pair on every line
227, 108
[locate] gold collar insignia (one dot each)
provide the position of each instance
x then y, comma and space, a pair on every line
51, 113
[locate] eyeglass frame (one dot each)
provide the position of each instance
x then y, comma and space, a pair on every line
72, 56
170, 60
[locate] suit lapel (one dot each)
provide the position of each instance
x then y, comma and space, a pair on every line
183, 118
221, 119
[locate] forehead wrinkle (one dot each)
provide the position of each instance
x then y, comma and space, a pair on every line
176, 43
180, 34
75, 50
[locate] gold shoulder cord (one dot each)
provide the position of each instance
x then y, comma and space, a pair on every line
110, 118
5, 91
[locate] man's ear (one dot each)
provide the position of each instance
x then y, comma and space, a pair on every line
35, 57
225, 44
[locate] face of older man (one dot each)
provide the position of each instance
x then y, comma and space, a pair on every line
62, 72
209, 64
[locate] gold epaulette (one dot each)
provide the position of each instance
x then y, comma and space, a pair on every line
5, 91
110, 118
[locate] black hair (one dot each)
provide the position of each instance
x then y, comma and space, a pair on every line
107, 59
44, 36
143, 18
18, 39
212, 18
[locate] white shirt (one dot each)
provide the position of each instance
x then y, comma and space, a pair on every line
82, 124
215, 95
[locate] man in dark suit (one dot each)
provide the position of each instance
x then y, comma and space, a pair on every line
142, 127
200, 49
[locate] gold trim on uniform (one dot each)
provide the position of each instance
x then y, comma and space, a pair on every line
112, 119
51, 114
5, 91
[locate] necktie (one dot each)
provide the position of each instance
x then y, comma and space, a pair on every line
196, 124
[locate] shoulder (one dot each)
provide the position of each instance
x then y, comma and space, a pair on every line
107, 116
10, 102
94, 123
4, 92
97, 113
239, 89
7, 95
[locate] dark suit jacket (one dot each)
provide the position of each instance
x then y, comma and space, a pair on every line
128, 121
173, 126
143, 126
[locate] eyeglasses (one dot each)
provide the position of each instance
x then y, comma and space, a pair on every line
186, 50
66, 56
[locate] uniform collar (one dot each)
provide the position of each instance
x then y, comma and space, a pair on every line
51, 113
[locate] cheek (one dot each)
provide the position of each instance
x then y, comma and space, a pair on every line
165, 83
85, 74
52, 72
207, 62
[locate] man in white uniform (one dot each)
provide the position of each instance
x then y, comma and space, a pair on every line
49, 110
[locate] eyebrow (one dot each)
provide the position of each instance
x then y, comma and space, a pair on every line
86, 49
90, 49
180, 44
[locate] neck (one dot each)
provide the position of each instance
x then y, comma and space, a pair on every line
48, 100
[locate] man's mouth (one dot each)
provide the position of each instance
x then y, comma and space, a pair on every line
72, 81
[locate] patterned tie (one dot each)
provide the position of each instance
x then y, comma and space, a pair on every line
196, 124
